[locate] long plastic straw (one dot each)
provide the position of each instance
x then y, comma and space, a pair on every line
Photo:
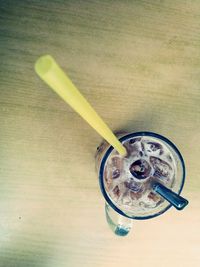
49, 71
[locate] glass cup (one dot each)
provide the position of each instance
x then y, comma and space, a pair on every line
136, 188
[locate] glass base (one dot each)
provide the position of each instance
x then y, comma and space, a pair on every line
119, 224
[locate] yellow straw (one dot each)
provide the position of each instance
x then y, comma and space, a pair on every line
54, 76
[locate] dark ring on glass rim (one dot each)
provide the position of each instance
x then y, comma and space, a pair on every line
110, 149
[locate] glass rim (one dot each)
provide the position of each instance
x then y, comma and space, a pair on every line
106, 155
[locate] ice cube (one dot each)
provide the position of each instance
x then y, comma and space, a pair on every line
116, 173
153, 197
140, 169
135, 195
154, 146
126, 199
116, 191
132, 149
161, 167
134, 140
136, 189
117, 162
116, 166
133, 185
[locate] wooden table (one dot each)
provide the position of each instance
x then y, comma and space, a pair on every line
138, 64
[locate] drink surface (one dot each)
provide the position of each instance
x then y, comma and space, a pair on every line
128, 180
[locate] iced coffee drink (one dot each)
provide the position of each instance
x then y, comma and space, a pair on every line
127, 181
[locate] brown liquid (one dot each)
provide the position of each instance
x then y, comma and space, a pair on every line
128, 181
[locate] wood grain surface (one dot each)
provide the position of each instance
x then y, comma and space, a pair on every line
138, 64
